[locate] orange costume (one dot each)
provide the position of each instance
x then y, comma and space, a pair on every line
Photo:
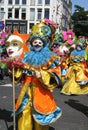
35, 105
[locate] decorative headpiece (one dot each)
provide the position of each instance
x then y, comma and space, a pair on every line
58, 38
44, 30
68, 36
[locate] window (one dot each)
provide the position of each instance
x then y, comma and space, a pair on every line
39, 2
2, 13
2, 1
32, 14
39, 12
16, 12
9, 1
24, 2
9, 12
23, 13
2, 9
32, 2
46, 15
16, 2
47, 2
31, 25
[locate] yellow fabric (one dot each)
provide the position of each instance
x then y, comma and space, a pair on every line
40, 127
56, 70
71, 86
46, 80
81, 73
18, 73
21, 95
26, 122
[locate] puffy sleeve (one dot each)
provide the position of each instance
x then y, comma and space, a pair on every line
49, 79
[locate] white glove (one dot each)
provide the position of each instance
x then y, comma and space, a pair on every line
38, 74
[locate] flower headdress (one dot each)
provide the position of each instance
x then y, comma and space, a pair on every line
68, 36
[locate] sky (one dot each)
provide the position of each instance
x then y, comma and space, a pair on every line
82, 3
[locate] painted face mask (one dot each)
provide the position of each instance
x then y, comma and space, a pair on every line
14, 47
37, 44
16, 44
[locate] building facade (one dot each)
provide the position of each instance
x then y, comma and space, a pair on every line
26, 13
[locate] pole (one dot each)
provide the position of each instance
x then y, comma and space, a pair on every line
14, 119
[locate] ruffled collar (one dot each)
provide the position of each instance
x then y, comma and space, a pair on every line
43, 58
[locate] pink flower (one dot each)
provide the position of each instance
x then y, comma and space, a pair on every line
51, 23
3, 35
68, 36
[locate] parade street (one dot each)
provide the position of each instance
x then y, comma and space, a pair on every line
74, 109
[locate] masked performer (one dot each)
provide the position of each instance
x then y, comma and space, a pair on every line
77, 75
35, 106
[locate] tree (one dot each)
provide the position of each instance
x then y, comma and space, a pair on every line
80, 21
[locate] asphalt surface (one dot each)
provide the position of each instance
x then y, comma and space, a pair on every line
74, 109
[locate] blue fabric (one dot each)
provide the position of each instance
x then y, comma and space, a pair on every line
64, 71
57, 78
47, 119
37, 58
82, 82
78, 53
24, 102
55, 63
28, 72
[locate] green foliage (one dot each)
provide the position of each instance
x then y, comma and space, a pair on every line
80, 21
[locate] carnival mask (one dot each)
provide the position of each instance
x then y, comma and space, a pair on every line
37, 44
14, 47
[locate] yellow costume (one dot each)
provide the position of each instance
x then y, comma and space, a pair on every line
77, 80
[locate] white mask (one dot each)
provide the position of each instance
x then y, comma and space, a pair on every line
37, 44
14, 49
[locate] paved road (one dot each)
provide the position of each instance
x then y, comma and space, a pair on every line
74, 108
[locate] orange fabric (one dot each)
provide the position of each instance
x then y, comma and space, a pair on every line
28, 80
81, 74
43, 100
